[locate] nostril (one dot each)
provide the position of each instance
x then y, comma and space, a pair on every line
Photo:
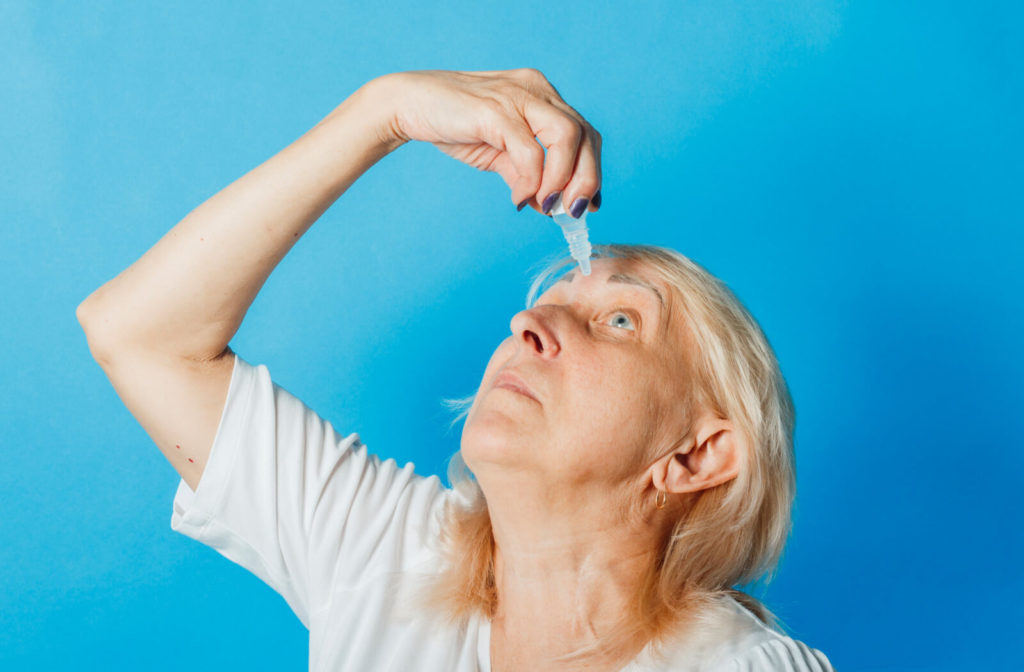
536, 341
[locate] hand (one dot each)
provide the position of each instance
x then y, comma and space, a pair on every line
490, 120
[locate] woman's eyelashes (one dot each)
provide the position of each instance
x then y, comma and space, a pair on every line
622, 319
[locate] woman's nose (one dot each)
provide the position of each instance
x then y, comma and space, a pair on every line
532, 330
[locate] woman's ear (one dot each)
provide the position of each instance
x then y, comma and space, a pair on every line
710, 456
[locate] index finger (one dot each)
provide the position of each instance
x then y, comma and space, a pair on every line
562, 137
573, 159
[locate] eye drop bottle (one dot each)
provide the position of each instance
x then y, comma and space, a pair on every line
575, 232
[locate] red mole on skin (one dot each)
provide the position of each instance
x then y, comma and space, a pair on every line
191, 460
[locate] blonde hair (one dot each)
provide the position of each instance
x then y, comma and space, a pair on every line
729, 535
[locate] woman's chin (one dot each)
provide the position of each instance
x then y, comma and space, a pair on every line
493, 436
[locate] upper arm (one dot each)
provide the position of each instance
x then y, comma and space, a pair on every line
177, 401
283, 495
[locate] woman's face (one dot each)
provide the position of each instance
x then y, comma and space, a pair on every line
592, 381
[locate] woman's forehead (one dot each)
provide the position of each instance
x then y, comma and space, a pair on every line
615, 272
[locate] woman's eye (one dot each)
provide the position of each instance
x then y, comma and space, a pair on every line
622, 321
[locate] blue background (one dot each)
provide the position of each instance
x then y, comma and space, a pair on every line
852, 170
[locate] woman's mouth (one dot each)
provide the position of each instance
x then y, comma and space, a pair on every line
507, 380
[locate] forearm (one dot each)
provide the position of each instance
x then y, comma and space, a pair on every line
187, 295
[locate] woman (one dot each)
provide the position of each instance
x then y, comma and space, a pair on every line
630, 441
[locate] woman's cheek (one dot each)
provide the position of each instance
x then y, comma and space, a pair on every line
501, 355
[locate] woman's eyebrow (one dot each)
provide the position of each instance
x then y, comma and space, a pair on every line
624, 278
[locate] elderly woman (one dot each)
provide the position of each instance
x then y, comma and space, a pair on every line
630, 444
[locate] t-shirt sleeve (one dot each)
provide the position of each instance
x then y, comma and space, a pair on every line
781, 654
302, 508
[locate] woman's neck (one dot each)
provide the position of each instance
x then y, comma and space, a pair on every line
564, 580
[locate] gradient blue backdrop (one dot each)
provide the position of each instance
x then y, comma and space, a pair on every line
852, 170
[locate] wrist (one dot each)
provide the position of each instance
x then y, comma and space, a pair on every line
374, 103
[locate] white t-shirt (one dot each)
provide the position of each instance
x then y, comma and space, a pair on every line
345, 537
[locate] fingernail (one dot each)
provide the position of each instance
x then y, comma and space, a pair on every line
578, 206
596, 200
522, 205
549, 202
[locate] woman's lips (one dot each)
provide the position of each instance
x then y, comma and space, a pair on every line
509, 381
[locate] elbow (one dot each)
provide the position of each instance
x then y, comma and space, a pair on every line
85, 313
82, 314
91, 326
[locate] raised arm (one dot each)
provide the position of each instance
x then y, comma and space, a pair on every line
185, 298
161, 328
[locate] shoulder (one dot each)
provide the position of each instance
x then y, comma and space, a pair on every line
757, 647
779, 654
729, 638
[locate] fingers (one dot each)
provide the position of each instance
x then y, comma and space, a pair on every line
503, 131
561, 135
578, 195
521, 108
572, 166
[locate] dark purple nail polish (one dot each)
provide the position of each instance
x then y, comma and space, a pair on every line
549, 202
596, 200
522, 205
578, 206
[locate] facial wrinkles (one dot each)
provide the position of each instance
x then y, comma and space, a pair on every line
655, 315
626, 279
603, 306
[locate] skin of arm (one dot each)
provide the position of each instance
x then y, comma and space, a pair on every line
160, 329
187, 295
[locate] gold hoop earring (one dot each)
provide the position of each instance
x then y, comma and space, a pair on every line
660, 499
